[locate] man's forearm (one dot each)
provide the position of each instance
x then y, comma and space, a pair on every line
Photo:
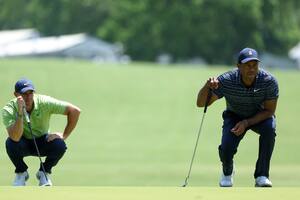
201, 100
15, 132
259, 117
71, 124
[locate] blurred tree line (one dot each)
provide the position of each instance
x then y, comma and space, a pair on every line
212, 29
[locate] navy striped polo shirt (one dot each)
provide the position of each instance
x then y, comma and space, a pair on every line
246, 101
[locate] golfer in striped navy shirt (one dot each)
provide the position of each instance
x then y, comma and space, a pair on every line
251, 96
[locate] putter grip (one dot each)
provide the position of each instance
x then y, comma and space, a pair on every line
207, 100
26, 115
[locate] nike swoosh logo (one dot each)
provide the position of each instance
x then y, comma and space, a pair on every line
256, 90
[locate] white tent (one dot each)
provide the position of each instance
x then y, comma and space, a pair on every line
74, 46
10, 36
269, 60
294, 54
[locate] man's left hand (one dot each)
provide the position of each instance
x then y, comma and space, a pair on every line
53, 136
240, 128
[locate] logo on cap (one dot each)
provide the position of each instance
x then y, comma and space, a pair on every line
24, 85
247, 54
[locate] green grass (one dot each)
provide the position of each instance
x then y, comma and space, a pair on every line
139, 124
148, 193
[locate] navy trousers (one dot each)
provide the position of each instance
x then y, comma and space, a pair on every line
230, 142
53, 151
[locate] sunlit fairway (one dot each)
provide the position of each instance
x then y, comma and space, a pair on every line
148, 193
138, 128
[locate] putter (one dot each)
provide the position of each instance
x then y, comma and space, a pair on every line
34, 141
194, 152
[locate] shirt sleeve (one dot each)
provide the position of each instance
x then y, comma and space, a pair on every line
55, 106
272, 89
8, 116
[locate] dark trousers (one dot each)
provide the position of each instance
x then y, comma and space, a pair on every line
53, 151
230, 142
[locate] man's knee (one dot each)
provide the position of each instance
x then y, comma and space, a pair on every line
268, 128
269, 133
58, 146
13, 147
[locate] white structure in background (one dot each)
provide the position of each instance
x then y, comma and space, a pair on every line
10, 36
294, 54
273, 61
164, 59
69, 46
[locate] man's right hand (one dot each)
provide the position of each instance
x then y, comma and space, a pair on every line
212, 83
15, 131
21, 103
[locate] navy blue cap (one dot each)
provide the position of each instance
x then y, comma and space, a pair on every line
23, 85
247, 54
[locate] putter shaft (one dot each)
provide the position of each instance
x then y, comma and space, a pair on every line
209, 94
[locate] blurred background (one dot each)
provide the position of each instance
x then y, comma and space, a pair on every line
135, 67
190, 31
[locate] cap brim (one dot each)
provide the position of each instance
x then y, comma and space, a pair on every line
249, 59
26, 89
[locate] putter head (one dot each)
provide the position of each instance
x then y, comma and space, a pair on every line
185, 183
